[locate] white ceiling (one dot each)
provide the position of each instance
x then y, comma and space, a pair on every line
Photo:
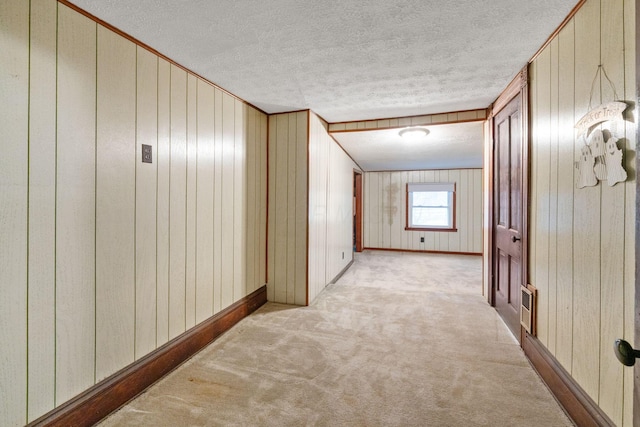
447, 146
346, 59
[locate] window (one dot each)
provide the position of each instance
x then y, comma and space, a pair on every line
431, 206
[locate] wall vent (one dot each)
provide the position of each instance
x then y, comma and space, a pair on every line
527, 308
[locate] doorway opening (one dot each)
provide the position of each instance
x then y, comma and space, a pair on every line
357, 211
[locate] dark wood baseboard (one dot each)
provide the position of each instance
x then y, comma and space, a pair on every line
110, 394
424, 251
576, 403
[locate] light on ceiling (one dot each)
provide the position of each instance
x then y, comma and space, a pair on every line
413, 134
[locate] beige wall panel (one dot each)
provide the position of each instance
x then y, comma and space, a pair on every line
271, 242
217, 203
541, 162
280, 272
205, 201
75, 212
264, 179
146, 202
478, 206
630, 198
192, 155
228, 189
371, 209
553, 193
239, 204
115, 202
396, 220
14, 180
613, 216
302, 201
163, 201
462, 208
177, 203
292, 173
252, 239
42, 205
586, 269
566, 188
381, 201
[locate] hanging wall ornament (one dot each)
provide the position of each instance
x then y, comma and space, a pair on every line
600, 158
586, 175
613, 156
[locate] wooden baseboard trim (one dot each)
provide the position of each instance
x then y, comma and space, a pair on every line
110, 394
423, 251
577, 404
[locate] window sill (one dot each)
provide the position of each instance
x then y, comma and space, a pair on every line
449, 230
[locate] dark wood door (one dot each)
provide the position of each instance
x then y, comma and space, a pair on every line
508, 213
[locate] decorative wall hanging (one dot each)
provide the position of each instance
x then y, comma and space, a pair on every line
600, 157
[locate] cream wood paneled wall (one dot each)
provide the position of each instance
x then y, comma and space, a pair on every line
330, 207
582, 256
104, 258
385, 208
287, 253
310, 200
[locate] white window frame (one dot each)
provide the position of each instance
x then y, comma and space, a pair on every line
449, 187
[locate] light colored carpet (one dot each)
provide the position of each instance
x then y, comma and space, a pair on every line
400, 340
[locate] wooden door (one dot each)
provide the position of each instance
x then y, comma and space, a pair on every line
508, 213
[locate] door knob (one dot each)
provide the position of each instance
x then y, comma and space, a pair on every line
514, 239
626, 354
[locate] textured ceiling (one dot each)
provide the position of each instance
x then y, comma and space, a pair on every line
347, 60
446, 146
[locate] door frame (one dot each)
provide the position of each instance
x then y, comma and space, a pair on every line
636, 369
357, 195
518, 86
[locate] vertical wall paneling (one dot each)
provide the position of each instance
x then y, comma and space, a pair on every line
385, 211
163, 156
42, 210
564, 224
115, 202
630, 201
586, 343
613, 215
217, 202
228, 189
271, 227
146, 202
178, 203
541, 165
290, 225
191, 218
14, 176
582, 240
252, 176
281, 206
239, 203
75, 205
302, 217
104, 258
205, 201
553, 193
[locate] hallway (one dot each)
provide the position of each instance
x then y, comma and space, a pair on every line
401, 339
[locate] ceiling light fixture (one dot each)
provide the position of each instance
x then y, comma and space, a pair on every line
412, 134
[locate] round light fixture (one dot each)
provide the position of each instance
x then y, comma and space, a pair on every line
412, 134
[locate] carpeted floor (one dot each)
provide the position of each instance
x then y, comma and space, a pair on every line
400, 340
